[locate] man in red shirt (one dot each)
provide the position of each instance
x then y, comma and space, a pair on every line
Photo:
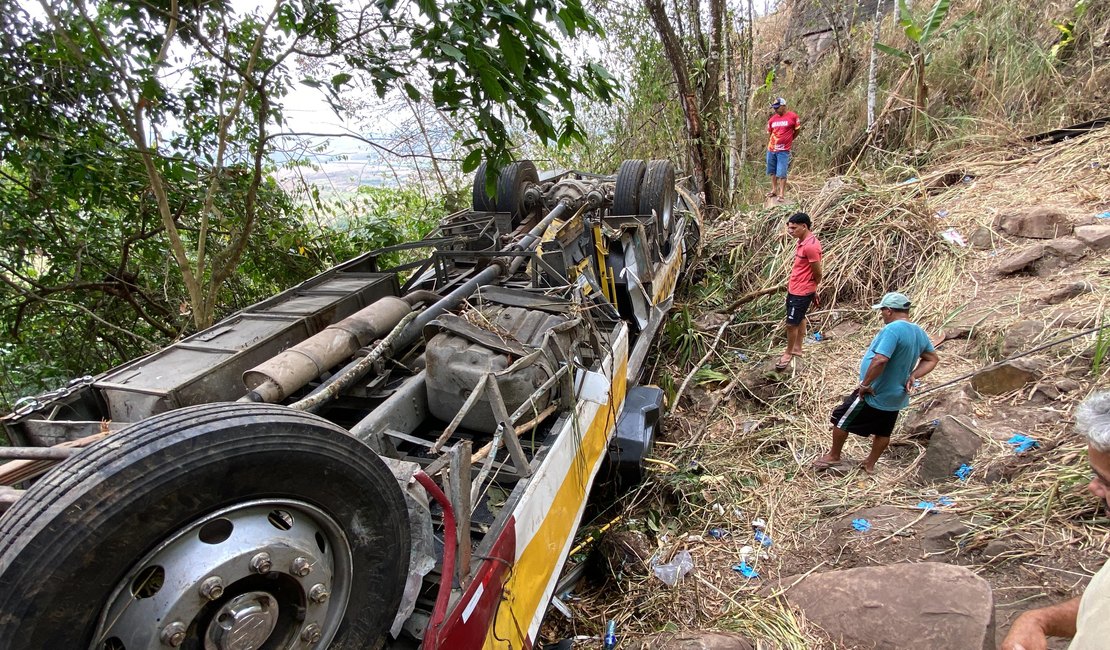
783, 125
801, 290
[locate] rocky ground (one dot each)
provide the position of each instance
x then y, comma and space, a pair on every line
916, 555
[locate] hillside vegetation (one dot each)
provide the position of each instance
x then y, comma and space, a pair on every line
742, 436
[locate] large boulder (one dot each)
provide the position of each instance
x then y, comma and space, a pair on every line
924, 605
952, 444
1006, 377
1096, 237
694, 640
1034, 223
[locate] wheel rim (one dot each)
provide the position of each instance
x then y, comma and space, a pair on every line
273, 571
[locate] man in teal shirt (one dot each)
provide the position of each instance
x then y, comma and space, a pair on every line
900, 354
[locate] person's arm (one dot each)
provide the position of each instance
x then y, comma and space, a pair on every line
925, 365
874, 369
815, 267
1030, 630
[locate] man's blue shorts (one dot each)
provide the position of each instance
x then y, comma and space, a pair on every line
777, 163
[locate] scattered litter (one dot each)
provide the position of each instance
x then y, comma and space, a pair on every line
759, 523
558, 604
745, 552
738, 512
912, 179
963, 472
862, 525
1095, 164
942, 214
695, 466
718, 508
1022, 443
745, 570
953, 236
1103, 215
741, 356
946, 501
673, 571
747, 426
763, 538
935, 423
967, 179
611, 635
718, 533
917, 383
926, 505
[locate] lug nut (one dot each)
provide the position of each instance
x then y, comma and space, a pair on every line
301, 567
261, 563
311, 634
173, 634
318, 594
212, 588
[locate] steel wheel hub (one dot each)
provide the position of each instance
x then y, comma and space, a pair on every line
275, 572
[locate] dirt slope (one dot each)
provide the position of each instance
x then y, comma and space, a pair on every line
739, 447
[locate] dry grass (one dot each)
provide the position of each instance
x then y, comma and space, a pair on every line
748, 457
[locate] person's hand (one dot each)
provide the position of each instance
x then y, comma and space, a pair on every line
816, 301
909, 385
1025, 634
866, 390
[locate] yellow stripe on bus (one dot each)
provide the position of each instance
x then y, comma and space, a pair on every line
524, 590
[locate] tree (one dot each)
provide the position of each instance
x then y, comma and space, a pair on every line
696, 62
917, 57
137, 139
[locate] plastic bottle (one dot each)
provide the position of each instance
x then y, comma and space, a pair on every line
610, 635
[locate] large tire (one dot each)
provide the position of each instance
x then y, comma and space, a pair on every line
482, 201
511, 185
77, 536
626, 194
657, 196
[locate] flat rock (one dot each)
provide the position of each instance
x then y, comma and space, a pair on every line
933, 534
1068, 249
1020, 336
951, 445
1035, 223
1065, 292
1097, 237
843, 329
710, 321
1067, 385
1006, 377
923, 605
694, 640
1079, 319
1022, 260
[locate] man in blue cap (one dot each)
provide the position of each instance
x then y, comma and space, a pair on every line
900, 354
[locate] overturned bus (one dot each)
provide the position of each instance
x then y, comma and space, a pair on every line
394, 459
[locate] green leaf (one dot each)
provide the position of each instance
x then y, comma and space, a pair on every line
913, 32
892, 51
452, 51
513, 50
472, 160
936, 17
412, 92
340, 79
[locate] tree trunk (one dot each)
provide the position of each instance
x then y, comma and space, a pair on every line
873, 69
701, 104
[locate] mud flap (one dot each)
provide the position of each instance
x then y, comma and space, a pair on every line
635, 436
